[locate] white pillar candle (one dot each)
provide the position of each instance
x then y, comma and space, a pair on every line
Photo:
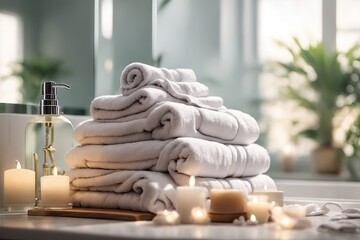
55, 191
273, 196
189, 197
19, 188
227, 201
259, 207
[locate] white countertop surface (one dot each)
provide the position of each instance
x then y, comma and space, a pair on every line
21, 226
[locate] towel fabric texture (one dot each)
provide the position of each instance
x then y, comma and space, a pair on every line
144, 190
190, 156
137, 75
136, 105
162, 128
170, 120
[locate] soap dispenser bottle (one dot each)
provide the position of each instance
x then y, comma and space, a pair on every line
48, 137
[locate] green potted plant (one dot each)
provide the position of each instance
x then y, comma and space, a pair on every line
352, 149
33, 72
324, 83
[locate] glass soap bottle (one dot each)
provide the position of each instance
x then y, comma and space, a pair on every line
48, 137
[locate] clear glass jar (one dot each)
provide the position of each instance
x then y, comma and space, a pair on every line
48, 138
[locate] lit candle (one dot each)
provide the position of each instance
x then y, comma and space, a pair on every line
189, 197
227, 201
273, 196
19, 188
252, 220
290, 218
166, 218
259, 207
55, 191
199, 215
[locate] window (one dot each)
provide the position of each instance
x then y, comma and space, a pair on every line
11, 51
281, 20
347, 23
336, 23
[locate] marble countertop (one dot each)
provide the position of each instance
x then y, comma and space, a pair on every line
22, 226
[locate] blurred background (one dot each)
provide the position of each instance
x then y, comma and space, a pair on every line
292, 64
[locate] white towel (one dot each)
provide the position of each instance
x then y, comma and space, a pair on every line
144, 190
247, 184
170, 120
137, 75
190, 156
124, 108
93, 132
130, 190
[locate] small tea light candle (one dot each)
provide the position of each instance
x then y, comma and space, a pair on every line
189, 197
19, 188
227, 201
259, 207
166, 218
55, 191
293, 219
252, 220
273, 196
199, 215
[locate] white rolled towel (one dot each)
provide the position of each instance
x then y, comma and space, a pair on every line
190, 156
144, 190
136, 105
170, 120
137, 75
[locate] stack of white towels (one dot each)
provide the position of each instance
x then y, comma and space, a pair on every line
164, 127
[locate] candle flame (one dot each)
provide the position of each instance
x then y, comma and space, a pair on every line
192, 181
252, 218
198, 212
199, 215
18, 165
273, 203
286, 222
255, 200
55, 171
265, 187
167, 217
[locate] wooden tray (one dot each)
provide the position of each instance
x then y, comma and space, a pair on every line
114, 214
225, 218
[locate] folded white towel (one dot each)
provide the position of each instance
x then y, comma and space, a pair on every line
190, 156
247, 184
144, 190
170, 120
93, 132
124, 108
137, 75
